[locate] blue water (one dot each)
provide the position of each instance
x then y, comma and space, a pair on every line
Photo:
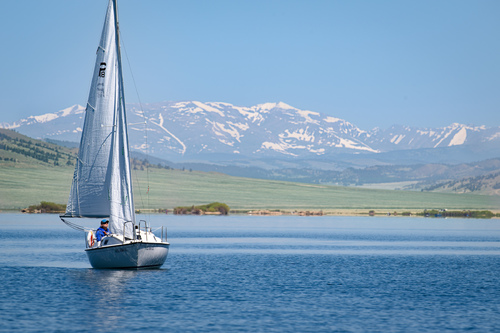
259, 274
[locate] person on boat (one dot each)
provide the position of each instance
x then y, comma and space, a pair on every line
103, 230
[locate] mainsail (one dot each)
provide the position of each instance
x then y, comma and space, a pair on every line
102, 185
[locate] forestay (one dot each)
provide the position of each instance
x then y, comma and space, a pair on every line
101, 183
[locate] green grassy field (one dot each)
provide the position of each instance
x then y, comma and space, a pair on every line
21, 187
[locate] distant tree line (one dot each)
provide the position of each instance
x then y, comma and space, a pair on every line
138, 164
477, 214
35, 150
35, 153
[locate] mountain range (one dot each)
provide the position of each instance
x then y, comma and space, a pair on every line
279, 142
209, 131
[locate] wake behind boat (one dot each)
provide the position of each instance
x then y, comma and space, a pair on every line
102, 183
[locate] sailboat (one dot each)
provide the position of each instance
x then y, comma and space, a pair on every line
102, 184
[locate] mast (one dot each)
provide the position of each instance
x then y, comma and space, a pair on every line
119, 56
122, 118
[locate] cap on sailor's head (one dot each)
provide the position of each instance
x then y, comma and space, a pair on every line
104, 221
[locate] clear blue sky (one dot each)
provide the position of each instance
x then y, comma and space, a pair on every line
374, 63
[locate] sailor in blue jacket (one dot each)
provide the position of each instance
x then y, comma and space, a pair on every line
103, 230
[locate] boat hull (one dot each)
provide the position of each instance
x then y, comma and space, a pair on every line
133, 255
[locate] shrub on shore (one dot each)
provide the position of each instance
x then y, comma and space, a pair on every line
477, 214
46, 207
214, 207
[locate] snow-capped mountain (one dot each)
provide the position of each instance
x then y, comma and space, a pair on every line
262, 130
62, 125
405, 137
272, 129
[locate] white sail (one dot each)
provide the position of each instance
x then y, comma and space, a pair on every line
102, 184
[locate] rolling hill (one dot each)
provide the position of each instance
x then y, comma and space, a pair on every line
488, 184
32, 171
17, 149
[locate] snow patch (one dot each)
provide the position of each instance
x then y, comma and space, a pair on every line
178, 105
429, 133
300, 134
219, 104
219, 129
307, 116
266, 106
346, 143
459, 138
142, 147
276, 147
160, 125
270, 106
445, 136
44, 117
319, 151
397, 139
9, 126
208, 108
76, 109
229, 143
241, 126
494, 136
332, 120
282, 105
251, 115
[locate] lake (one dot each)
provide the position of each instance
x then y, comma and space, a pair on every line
259, 274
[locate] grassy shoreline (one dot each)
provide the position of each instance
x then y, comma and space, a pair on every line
338, 213
23, 187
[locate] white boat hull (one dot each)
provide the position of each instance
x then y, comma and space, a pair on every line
130, 255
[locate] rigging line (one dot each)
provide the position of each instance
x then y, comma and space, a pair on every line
74, 225
145, 131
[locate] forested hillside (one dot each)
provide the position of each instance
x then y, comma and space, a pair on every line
486, 184
21, 150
